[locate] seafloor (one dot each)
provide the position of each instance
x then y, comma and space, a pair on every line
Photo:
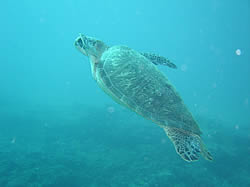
71, 146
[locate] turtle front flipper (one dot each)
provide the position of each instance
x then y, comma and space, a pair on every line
159, 60
188, 145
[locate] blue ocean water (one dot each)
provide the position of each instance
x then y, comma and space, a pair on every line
58, 128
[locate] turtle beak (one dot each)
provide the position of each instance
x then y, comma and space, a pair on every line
80, 44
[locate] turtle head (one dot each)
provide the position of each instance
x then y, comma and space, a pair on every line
89, 46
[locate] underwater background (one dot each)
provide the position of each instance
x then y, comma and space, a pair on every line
59, 129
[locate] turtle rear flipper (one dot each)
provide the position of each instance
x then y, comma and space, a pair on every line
188, 146
159, 60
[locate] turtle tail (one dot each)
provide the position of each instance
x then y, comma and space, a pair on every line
188, 145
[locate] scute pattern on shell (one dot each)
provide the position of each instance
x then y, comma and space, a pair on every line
137, 83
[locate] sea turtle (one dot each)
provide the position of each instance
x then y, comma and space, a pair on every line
132, 79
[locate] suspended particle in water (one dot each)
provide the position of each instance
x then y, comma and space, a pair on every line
214, 85
246, 101
183, 67
13, 140
138, 12
163, 140
67, 83
236, 127
238, 52
111, 109
42, 20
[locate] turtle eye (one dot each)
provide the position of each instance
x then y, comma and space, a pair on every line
80, 42
93, 43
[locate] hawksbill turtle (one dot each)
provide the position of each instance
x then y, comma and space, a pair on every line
133, 80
